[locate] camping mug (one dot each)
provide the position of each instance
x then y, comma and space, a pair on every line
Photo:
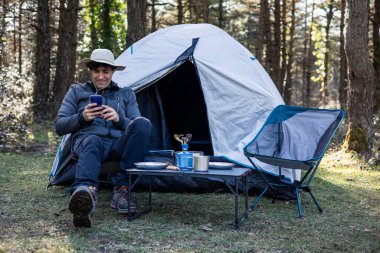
201, 163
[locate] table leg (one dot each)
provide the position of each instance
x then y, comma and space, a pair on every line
129, 197
246, 192
150, 190
236, 204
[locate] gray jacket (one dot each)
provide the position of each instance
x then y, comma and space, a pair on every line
70, 116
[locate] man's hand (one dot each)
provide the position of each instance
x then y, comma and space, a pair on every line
109, 114
91, 111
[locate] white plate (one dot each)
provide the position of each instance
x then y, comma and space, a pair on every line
220, 165
151, 165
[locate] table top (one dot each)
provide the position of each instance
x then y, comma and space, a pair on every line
234, 172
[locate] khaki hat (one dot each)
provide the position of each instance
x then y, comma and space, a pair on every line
101, 56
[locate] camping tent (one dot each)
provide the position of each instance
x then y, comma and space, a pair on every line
195, 78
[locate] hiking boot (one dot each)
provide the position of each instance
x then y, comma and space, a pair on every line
120, 200
82, 205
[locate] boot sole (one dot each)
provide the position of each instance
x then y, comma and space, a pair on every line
123, 211
80, 206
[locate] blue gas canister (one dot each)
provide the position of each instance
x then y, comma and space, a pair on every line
185, 158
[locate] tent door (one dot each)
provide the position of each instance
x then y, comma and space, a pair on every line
175, 104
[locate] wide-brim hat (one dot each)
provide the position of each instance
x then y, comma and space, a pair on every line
101, 56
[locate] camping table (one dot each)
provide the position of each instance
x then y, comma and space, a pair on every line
236, 174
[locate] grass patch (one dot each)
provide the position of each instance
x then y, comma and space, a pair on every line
34, 219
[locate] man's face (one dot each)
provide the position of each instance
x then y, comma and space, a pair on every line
101, 76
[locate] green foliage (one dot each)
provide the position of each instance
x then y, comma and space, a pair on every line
15, 97
106, 25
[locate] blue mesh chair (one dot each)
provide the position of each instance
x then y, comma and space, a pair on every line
292, 138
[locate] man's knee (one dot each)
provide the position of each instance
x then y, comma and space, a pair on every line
92, 142
141, 125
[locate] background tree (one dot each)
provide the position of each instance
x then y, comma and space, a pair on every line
329, 16
136, 16
66, 54
21, 2
288, 80
42, 62
360, 79
283, 46
343, 88
3, 25
94, 10
276, 45
376, 54
264, 16
106, 25
309, 59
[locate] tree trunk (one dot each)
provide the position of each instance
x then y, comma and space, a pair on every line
190, 7
3, 25
376, 55
326, 63
93, 31
309, 60
180, 12
136, 15
277, 45
74, 10
106, 26
343, 61
221, 14
268, 63
19, 37
66, 54
14, 32
360, 79
288, 81
206, 11
42, 62
283, 47
264, 12
304, 63
154, 22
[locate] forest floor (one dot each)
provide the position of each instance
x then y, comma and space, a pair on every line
33, 219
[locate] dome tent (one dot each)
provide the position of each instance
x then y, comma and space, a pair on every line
195, 78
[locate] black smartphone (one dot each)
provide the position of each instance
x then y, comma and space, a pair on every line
98, 99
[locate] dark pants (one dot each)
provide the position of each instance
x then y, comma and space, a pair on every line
92, 150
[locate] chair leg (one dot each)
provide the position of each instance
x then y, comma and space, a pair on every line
315, 200
245, 216
258, 198
299, 203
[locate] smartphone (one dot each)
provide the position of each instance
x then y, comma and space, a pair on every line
98, 99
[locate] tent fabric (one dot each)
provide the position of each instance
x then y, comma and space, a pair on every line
219, 87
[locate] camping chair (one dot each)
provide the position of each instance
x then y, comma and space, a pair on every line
292, 139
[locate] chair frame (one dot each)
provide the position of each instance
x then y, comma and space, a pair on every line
310, 166
303, 185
